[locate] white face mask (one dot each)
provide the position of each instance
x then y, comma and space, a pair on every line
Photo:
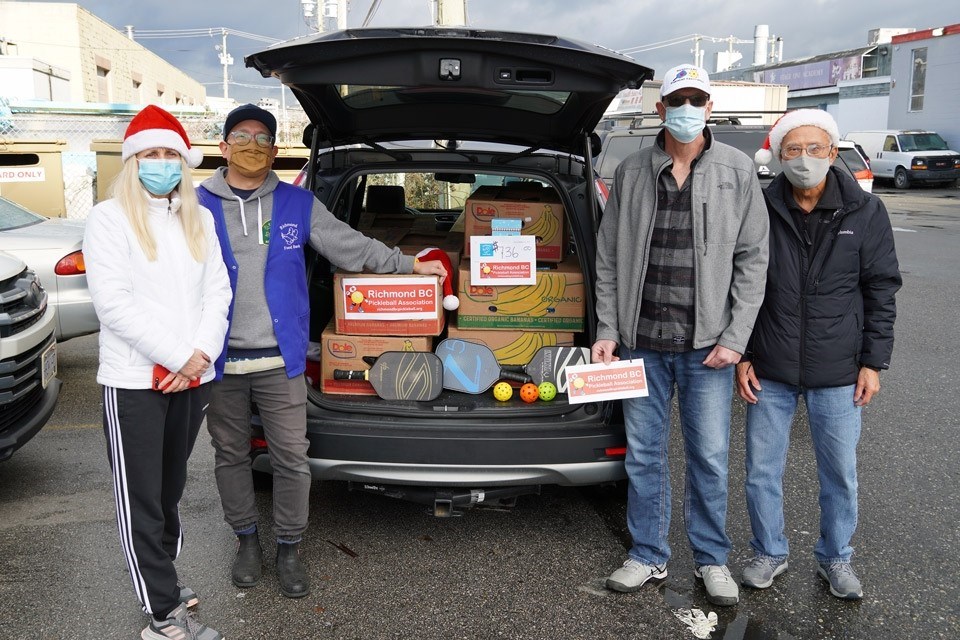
805, 172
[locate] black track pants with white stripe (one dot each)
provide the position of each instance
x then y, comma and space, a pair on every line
149, 438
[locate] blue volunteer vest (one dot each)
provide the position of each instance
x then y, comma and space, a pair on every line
285, 275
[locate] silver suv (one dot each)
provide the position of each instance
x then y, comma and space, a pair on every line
28, 356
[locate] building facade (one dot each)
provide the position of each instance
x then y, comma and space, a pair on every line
102, 64
925, 82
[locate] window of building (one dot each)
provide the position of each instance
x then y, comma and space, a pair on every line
103, 78
103, 85
136, 81
919, 80
161, 90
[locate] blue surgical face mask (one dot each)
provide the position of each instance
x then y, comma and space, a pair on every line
685, 122
159, 177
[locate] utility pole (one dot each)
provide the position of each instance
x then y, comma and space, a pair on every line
226, 60
451, 13
697, 53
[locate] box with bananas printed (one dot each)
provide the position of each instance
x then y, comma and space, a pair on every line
537, 207
555, 303
512, 346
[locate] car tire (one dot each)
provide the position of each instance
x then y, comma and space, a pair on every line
900, 179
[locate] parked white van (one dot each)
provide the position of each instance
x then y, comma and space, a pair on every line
908, 156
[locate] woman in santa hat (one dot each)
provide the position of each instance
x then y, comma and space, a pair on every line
161, 293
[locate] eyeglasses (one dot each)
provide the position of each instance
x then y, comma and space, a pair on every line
699, 100
815, 150
243, 138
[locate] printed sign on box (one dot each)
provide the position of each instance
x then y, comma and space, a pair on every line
503, 260
376, 308
389, 299
599, 382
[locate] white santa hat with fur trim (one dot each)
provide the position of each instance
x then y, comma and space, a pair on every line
790, 121
153, 127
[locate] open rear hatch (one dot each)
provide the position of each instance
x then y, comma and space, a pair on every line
376, 85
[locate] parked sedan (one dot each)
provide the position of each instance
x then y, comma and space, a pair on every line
52, 248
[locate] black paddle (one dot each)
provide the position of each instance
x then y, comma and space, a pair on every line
401, 375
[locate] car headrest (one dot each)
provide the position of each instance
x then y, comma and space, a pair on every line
385, 199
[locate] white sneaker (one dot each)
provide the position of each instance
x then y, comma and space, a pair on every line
633, 575
721, 588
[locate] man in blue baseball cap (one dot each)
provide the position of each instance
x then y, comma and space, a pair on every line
264, 225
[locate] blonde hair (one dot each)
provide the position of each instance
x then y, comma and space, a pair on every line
134, 201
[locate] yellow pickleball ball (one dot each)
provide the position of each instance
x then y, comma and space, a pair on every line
502, 391
356, 297
548, 391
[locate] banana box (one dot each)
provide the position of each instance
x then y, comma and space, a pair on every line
380, 304
555, 303
514, 346
346, 353
538, 208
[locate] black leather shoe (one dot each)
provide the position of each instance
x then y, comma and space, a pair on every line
248, 565
291, 574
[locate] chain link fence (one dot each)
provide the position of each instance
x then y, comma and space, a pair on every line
80, 130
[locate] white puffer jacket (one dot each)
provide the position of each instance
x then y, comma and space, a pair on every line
153, 312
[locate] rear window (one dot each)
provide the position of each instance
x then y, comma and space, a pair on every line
13, 216
618, 148
853, 159
371, 97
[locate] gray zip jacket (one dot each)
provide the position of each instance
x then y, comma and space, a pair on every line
730, 227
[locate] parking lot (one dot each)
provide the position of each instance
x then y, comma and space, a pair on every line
387, 569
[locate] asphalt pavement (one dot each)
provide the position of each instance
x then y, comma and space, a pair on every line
387, 569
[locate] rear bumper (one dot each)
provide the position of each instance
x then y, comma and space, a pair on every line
577, 474
454, 453
75, 313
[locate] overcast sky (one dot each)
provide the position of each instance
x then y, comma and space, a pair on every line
808, 27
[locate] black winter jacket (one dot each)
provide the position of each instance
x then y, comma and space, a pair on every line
817, 333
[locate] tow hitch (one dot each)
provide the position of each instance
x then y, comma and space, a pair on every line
448, 502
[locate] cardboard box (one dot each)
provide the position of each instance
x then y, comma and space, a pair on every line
555, 303
512, 346
538, 207
377, 304
346, 352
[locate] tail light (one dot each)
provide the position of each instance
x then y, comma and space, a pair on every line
603, 193
615, 452
71, 265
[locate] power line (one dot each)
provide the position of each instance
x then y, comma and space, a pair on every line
153, 34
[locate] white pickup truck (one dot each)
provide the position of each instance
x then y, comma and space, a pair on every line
28, 356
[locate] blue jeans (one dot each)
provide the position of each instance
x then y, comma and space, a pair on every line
835, 430
705, 397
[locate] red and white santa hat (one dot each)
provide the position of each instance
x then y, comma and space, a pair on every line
450, 301
790, 121
153, 127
